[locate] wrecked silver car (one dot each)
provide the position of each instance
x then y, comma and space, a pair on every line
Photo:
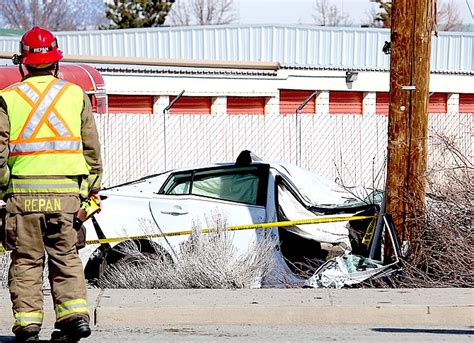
316, 238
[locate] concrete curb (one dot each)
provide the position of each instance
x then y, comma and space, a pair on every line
394, 307
429, 307
446, 316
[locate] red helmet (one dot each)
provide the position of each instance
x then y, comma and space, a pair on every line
39, 46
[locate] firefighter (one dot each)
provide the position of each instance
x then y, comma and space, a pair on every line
49, 162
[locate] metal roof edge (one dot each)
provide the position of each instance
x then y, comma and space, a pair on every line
222, 27
163, 70
368, 69
243, 26
163, 62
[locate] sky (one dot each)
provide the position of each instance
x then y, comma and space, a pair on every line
299, 11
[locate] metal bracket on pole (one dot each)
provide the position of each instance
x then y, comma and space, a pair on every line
408, 88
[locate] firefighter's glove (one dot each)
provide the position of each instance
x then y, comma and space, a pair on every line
89, 207
97, 200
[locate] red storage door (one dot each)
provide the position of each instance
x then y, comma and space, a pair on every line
291, 99
345, 102
466, 103
191, 105
141, 104
382, 103
438, 103
245, 105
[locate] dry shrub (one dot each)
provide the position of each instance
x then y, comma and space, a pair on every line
443, 254
206, 260
4, 265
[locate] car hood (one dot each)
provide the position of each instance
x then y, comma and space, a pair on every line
321, 192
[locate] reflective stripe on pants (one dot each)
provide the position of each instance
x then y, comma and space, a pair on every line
28, 318
74, 306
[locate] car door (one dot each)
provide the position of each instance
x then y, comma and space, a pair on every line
214, 197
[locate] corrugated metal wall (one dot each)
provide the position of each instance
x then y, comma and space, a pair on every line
289, 45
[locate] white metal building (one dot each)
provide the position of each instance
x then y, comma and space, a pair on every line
242, 86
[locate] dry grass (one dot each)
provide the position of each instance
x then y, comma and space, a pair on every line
4, 264
205, 261
443, 254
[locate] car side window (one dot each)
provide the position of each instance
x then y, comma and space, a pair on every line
240, 186
245, 185
177, 184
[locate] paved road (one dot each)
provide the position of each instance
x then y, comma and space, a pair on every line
271, 315
284, 333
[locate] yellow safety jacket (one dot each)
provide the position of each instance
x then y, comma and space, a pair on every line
45, 135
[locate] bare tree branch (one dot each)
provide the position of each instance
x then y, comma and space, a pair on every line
371, 18
443, 255
449, 17
180, 15
54, 15
325, 14
202, 12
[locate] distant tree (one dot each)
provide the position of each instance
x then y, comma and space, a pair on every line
382, 18
325, 14
448, 16
202, 12
126, 14
57, 15
370, 20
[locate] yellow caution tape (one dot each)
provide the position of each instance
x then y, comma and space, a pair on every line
317, 220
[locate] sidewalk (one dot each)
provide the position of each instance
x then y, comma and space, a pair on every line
400, 307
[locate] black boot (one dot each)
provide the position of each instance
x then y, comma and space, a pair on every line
72, 331
27, 336
60, 336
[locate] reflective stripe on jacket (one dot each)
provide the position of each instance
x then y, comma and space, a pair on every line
43, 185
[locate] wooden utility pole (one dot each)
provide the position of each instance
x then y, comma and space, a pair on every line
408, 114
